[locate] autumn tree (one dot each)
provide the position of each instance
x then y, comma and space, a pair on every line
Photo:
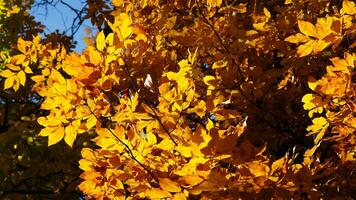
29, 169
203, 99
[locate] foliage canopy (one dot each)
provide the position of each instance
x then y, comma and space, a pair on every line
201, 99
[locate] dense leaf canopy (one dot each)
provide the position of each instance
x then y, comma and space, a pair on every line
199, 99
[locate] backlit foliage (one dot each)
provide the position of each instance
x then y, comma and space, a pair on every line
204, 99
28, 169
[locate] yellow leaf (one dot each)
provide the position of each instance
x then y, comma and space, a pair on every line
283, 83
85, 165
258, 169
340, 65
15, 9
320, 121
308, 153
308, 105
260, 26
95, 56
22, 77
28, 70
192, 57
56, 136
9, 82
36, 39
151, 139
16, 85
70, 135
348, 7
100, 41
166, 144
157, 194
267, 13
49, 122
209, 80
88, 153
124, 25
117, 3
179, 196
209, 125
306, 49
6, 73
319, 136
192, 179
320, 45
278, 164
171, 22
297, 38
38, 78
219, 64
184, 150
307, 28
169, 185
13, 67
199, 109
21, 45
57, 77
312, 83
350, 59
47, 131
190, 168
214, 3
134, 102
110, 39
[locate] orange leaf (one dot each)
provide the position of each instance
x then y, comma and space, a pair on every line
157, 194
169, 185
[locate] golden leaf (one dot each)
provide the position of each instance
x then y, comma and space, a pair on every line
278, 164
70, 135
100, 41
13, 67
307, 28
210, 81
22, 77
7, 73
308, 105
219, 64
267, 13
171, 22
258, 169
21, 45
214, 3
169, 185
320, 121
184, 150
9, 82
179, 196
306, 49
297, 38
287, 2
117, 3
56, 136
348, 7
157, 194
283, 83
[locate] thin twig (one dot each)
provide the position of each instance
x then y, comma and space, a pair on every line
127, 148
221, 41
148, 104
